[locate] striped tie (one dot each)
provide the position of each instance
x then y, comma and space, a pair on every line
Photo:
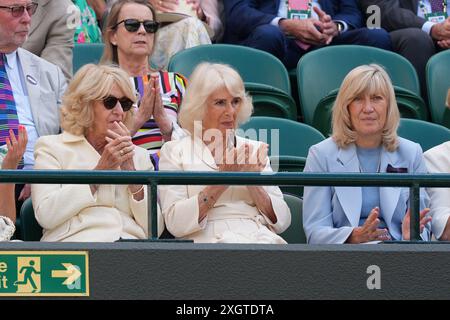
436, 5
8, 112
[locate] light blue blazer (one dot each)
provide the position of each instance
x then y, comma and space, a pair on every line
331, 213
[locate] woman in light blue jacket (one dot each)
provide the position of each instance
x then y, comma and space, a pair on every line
365, 121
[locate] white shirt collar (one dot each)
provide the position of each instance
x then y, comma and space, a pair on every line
11, 59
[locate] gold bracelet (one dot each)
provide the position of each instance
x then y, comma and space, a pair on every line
140, 189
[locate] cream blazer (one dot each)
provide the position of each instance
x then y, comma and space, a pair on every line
234, 217
71, 212
437, 160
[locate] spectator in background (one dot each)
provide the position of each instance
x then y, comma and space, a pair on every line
96, 109
214, 106
181, 32
32, 86
129, 42
413, 34
364, 139
438, 161
51, 33
88, 30
263, 24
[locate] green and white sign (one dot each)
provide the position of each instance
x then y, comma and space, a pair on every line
44, 273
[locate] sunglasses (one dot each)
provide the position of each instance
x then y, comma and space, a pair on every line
111, 102
133, 25
17, 11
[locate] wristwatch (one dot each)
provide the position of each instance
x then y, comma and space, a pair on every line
340, 26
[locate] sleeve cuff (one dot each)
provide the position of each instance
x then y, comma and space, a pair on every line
275, 21
427, 27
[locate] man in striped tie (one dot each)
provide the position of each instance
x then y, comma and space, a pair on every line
30, 87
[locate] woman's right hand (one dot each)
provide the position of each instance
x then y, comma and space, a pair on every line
114, 154
369, 230
164, 5
147, 103
16, 148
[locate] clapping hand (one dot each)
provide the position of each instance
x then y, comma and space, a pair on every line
406, 223
369, 231
16, 148
119, 150
244, 159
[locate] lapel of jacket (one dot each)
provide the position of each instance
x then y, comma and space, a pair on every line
202, 152
389, 196
412, 5
350, 198
39, 15
31, 74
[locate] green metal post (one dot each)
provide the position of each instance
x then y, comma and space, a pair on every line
154, 209
414, 205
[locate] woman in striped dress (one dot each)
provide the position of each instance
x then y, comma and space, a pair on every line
129, 42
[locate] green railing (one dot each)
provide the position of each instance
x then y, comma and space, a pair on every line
153, 179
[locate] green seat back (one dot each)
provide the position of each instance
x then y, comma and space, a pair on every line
426, 134
31, 230
409, 104
290, 148
253, 65
322, 70
295, 232
292, 138
84, 53
438, 83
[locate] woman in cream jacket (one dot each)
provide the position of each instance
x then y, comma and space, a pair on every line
211, 111
97, 108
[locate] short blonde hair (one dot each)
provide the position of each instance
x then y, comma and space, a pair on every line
207, 78
365, 80
90, 84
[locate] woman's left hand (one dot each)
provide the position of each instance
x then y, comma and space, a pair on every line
127, 147
16, 148
159, 112
244, 160
424, 219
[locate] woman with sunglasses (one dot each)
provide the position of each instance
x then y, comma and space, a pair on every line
129, 42
97, 108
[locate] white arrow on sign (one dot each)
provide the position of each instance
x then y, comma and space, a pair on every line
71, 273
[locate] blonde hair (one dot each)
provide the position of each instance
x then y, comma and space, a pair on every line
110, 55
90, 84
207, 78
365, 80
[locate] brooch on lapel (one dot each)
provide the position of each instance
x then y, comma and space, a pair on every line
391, 169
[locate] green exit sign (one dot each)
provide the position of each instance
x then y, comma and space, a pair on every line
44, 273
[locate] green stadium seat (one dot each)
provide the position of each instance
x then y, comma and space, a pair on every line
289, 151
265, 77
409, 104
295, 232
31, 230
427, 134
84, 53
321, 71
438, 83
